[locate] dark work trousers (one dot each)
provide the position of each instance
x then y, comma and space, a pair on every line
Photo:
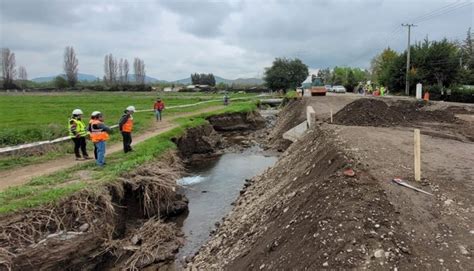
127, 141
80, 143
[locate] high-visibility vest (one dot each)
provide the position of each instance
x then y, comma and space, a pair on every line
426, 97
98, 134
128, 125
80, 128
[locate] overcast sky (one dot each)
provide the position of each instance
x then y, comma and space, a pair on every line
228, 38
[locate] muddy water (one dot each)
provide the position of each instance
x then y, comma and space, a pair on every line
214, 185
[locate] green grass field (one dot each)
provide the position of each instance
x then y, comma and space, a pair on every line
44, 117
35, 117
47, 189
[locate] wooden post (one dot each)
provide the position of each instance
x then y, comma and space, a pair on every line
331, 114
417, 151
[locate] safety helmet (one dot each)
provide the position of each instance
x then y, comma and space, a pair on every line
77, 112
131, 108
95, 113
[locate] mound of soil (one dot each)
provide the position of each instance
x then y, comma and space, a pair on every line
375, 112
291, 115
305, 214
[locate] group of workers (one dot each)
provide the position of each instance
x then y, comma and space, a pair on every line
99, 132
371, 89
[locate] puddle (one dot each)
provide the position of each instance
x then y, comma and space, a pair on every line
213, 187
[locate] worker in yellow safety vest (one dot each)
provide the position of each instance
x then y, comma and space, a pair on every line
77, 132
99, 135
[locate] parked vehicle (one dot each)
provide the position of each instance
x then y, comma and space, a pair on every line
328, 88
339, 89
318, 88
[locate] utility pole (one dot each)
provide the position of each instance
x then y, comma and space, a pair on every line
407, 83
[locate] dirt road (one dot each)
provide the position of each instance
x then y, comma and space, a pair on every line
22, 175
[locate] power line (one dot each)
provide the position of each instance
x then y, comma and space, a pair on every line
444, 12
435, 11
428, 16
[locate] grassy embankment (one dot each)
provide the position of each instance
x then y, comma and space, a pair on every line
50, 188
36, 117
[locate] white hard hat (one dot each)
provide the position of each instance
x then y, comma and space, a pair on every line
95, 113
77, 112
131, 108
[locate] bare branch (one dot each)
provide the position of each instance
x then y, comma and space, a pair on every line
139, 68
22, 75
70, 65
8, 64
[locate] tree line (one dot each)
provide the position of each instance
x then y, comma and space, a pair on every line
345, 76
436, 64
115, 72
203, 79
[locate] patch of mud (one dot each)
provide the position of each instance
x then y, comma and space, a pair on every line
116, 225
375, 112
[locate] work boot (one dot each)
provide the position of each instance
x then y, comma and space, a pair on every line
87, 158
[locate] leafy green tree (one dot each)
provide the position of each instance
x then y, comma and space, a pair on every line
466, 73
285, 74
467, 50
60, 82
222, 86
325, 75
351, 81
380, 66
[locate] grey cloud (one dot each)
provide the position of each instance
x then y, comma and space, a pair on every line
40, 11
229, 38
201, 18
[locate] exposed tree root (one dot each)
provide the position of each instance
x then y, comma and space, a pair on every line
88, 220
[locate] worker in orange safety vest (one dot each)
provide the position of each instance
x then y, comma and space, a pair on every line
126, 127
99, 134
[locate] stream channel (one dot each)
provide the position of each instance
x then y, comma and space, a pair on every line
211, 188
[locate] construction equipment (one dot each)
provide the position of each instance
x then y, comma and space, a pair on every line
317, 87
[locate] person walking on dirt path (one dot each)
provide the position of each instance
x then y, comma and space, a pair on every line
226, 99
99, 135
94, 116
159, 106
126, 127
78, 133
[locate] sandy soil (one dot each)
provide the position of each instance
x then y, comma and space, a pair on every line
22, 175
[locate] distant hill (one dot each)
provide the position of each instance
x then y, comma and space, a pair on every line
238, 81
80, 77
148, 79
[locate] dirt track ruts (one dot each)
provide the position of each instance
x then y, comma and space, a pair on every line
18, 176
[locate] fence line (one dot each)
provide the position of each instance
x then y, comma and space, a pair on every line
65, 138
